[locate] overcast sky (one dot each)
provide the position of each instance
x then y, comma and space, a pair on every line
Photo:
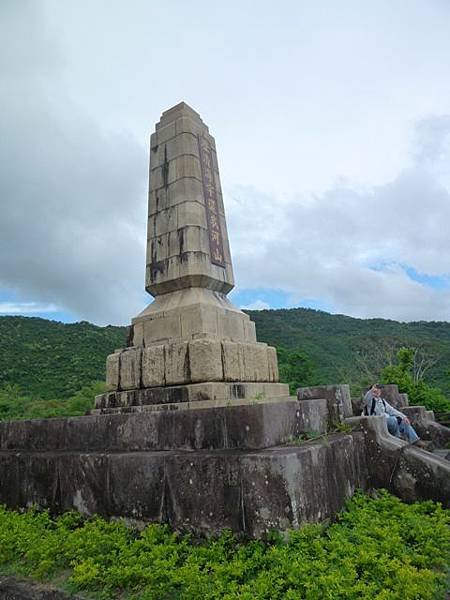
332, 122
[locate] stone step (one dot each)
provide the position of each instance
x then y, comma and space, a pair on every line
246, 426
251, 492
216, 393
195, 405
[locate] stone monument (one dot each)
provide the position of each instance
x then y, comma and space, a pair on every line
190, 347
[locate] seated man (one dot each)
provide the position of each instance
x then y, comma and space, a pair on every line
398, 424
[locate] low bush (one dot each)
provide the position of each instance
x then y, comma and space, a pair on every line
15, 405
379, 548
419, 392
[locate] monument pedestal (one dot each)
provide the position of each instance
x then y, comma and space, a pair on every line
190, 347
212, 394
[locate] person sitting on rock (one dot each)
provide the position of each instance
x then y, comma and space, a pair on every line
398, 424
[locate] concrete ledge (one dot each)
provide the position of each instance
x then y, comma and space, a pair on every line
338, 399
218, 393
407, 471
426, 426
203, 491
247, 427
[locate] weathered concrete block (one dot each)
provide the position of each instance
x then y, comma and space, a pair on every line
407, 471
249, 492
273, 364
313, 415
337, 396
249, 331
162, 328
205, 360
256, 365
189, 124
112, 371
186, 190
182, 143
138, 334
393, 396
232, 361
191, 213
261, 363
164, 221
130, 368
185, 165
153, 366
164, 132
231, 326
177, 363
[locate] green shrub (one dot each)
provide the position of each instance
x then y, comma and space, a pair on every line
379, 549
419, 392
14, 405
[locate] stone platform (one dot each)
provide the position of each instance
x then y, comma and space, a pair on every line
245, 467
248, 467
193, 396
250, 492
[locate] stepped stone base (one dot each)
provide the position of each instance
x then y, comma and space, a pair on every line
200, 395
200, 360
251, 492
207, 469
244, 427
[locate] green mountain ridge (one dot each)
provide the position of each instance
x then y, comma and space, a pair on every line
49, 359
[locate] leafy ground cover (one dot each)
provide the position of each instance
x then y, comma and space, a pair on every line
14, 405
379, 548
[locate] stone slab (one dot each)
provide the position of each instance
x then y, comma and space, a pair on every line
220, 392
204, 491
205, 360
251, 426
153, 366
404, 469
337, 396
130, 368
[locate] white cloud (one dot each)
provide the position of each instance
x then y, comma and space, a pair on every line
72, 231
350, 247
329, 99
256, 305
26, 308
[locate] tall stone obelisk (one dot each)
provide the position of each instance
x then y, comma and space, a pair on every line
190, 347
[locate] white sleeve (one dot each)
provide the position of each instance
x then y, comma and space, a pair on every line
393, 411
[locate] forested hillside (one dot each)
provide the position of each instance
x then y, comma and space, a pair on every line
49, 360
344, 349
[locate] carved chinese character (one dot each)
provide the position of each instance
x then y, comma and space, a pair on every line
214, 222
212, 206
207, 160
217, 255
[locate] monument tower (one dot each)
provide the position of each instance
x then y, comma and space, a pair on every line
190, 347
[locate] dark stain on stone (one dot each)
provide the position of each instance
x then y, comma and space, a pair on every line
238, 391
130, 336
165, 169
157, 267
181, 240
187, 365
119, 368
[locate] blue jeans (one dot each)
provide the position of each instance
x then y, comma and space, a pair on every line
401, 429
